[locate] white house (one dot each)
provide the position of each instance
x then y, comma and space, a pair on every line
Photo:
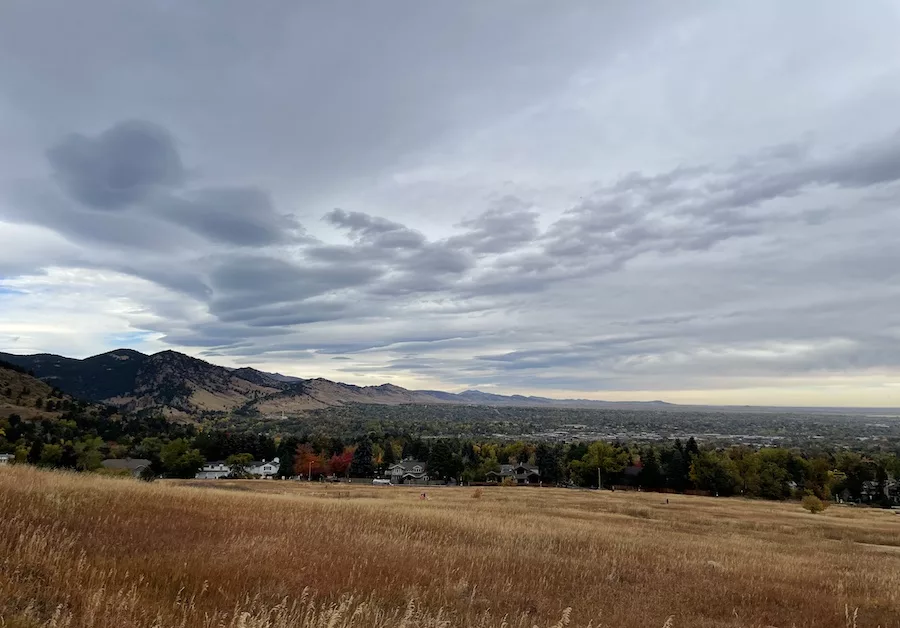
265, 470
6, 458
213, 470
217, 469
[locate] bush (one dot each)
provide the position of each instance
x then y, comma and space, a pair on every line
478, 493
508, 482
813, 504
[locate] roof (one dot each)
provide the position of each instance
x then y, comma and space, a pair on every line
407, 465
517, 469
132, 464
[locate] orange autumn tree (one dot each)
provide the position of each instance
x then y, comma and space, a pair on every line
307, 463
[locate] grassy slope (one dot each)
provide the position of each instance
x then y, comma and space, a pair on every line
111, 552
24, 390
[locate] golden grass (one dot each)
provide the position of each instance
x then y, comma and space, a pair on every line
80, 551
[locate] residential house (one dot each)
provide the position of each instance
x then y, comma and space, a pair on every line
263, 469
6, 458
217, 469
409, 472
213, 470
522, 473
135, 466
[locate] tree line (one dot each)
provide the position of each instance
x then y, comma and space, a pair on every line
84, 436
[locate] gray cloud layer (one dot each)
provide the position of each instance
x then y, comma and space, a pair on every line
400, 211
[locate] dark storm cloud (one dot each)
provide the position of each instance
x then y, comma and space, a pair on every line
127, 187
122, 165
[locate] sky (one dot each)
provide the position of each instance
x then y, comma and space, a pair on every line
696, 202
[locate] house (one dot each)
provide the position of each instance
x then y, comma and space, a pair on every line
135, 465
213, 470
522, 473
408, 472
265, 470
6, 458
217, 469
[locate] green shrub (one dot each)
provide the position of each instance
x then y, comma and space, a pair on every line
813, 504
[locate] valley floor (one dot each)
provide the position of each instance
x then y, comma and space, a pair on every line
82, 550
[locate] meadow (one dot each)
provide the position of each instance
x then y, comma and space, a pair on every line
80, 550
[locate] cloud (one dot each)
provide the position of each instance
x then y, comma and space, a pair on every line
122, 165
591, 202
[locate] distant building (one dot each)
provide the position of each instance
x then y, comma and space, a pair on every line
263, 469
135, 465
6, 458
213, 470
522, 473
408, 472
217, 469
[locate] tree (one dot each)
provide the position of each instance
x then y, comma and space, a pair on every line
179, 460
715, 473
340, 464
87, 454
362, 459
307, 463
651, 475
286, 451
547, 459
238, 463
443, 463
856, 470
605, 459
34, 454
51, 455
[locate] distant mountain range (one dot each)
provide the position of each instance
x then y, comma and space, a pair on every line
178, 385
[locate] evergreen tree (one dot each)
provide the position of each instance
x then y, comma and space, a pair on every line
442, 462
362, 465
34, 454
651, 475
547, 459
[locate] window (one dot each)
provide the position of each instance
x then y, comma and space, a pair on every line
417, 469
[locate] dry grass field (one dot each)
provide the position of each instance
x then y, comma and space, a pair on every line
81, 550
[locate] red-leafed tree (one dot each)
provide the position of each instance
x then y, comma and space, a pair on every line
340, 463
307, 463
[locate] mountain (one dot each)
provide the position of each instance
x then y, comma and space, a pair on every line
169, 381
179, 385
96, 378
312, 394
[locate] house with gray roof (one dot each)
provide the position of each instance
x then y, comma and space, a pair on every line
135, 465
409, 472
521, 472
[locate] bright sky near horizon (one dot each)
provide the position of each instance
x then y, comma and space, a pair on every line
697, 202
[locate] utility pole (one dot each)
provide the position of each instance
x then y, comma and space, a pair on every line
599, 480
310, 470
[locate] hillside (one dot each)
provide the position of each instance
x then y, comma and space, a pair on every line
180, 384
27, 396
313, 394
82, 551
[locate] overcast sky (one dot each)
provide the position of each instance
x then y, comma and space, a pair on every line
690, 201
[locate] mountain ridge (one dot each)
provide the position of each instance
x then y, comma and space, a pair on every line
178, 384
